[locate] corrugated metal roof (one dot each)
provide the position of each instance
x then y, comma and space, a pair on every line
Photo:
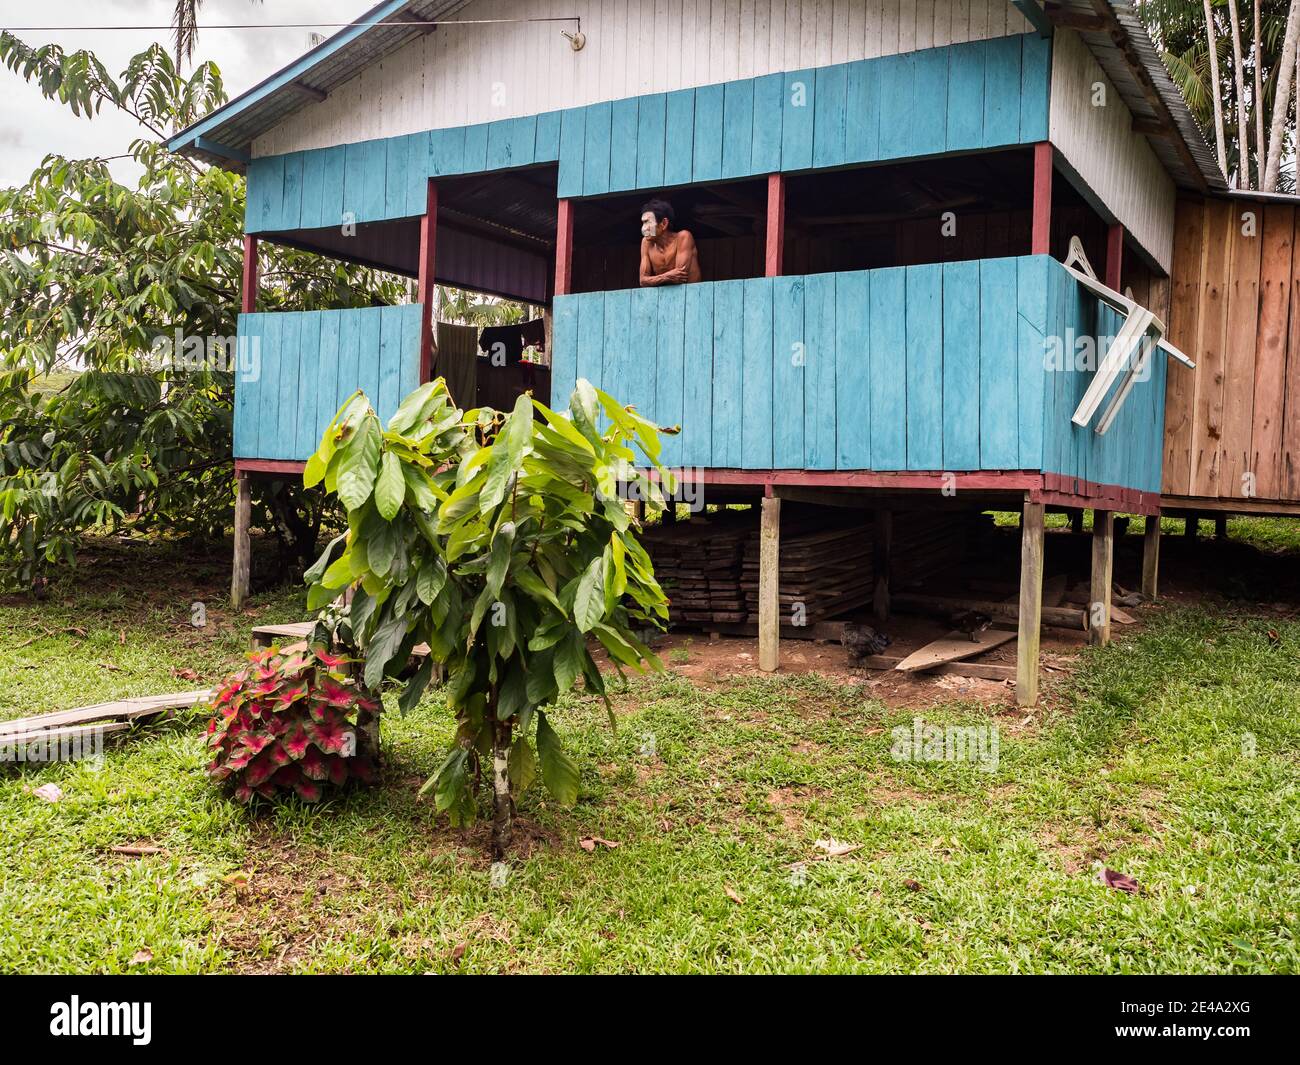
1112, 30
1121, 44
228, 132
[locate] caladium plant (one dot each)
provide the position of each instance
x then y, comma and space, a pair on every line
289, 723
502, 543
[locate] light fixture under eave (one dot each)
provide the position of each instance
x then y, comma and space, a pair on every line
577, 41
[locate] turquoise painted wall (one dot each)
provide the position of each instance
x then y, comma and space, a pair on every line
964, 97
935, 368
304, 364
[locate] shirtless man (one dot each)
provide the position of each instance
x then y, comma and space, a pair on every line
668, 257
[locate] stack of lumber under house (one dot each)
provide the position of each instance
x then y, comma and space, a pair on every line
709, 566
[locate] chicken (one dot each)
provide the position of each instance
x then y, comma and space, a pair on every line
972, 623
862, 640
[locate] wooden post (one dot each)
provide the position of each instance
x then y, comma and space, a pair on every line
1192, 526
1221, 526
564, 248
1103, 571
240, 577
248, 300
769, 585
1031, 603
881, 555
1040, 242
1115, 257
1076, 521
775, 225
1151, 557
426, 286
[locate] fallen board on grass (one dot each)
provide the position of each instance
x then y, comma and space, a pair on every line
298, 631
63, 726
981, 670
953, 648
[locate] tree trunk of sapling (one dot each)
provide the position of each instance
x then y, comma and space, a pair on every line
501, 806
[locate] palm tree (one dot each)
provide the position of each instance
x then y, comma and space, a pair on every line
185, 28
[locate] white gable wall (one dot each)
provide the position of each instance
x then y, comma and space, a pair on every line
1093, 129
462, 75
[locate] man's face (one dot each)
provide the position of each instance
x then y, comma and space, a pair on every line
649, 226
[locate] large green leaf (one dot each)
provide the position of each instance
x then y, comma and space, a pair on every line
559, 771
589, 602
390, 488
359, 464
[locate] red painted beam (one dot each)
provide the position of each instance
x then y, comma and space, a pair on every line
564, 248
426, 285
248, 301
775, 225
1115, 257
268, 466
1041, 240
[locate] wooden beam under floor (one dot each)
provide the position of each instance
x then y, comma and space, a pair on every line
1151, 559
1031, 603
240, 577
1103, 572
769, 584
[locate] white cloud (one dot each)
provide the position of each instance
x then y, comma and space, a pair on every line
32, 127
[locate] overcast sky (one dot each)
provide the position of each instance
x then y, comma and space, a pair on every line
32, 127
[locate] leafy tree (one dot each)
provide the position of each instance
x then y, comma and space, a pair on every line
97, 279
501, 542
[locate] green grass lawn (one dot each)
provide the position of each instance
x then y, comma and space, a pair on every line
1170, 756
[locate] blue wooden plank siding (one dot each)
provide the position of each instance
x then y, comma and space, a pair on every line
962, 97
297, 368
933, 368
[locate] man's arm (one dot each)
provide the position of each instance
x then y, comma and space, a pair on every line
686, 254
675, 276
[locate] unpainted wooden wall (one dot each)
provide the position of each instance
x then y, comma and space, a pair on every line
1232, 428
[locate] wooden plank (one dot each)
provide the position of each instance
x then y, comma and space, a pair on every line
1184, 314
999, 366
1002, 91
1290, 462
447, 150
1239, 354
328, 399
418, 170
769, 576
982, 670
309, 430
313, 179
965, 110
679, 164
290, 377
797, 117
596, 150
1275, 289
426, 284
728, 374
789, 356
241, 568
819, 379
853, 370
924, 374
1032, 301
1031, 604
929, 122
1210, 367
396, 161
671, 368
564, 353
888, 398
1040, 242
737, 128
118, 710
475, 161
1103, 575
651, 139
369, 203
573, 142
953, 648
765, 146
757, 400
616, 353
368, 363
1035, 87
332, 177
897, 105
623, 145
774, 231
706, 162
964, 394
546, 147
349, 377
862, 106
697, 402
641, 377
831, 99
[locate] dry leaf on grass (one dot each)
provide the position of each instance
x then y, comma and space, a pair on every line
48, 792
458, 952
834, 848
1118, 881
731, 894
912, 885
185, 674
142, 956
590, 843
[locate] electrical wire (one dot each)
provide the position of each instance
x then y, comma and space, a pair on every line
413, 24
